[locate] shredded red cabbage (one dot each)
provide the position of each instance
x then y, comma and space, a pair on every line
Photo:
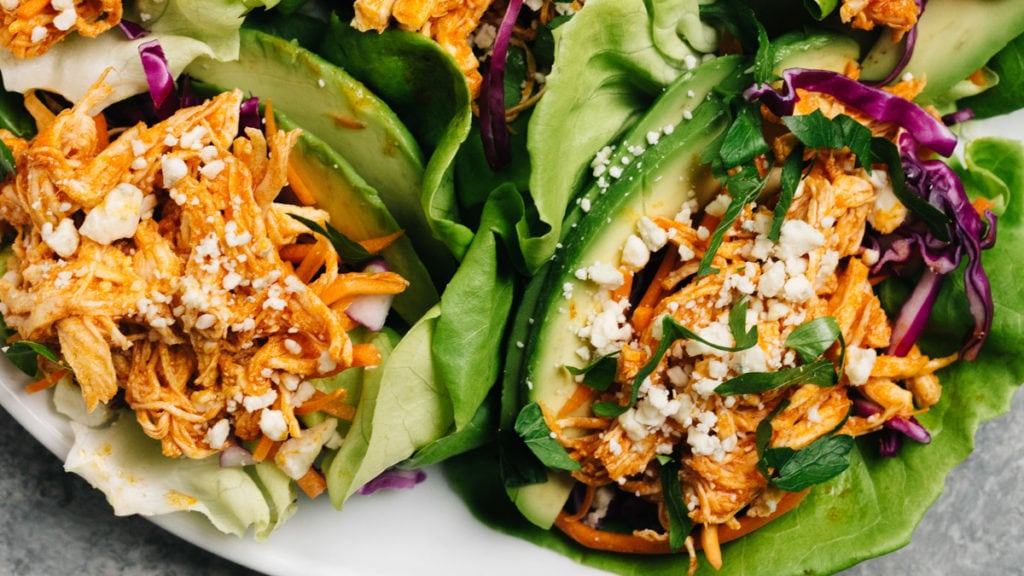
958, 117
879, 104
909, 42
493, 128
393, 478
890, 438
158, 75
132, 30
971, 234
249, 115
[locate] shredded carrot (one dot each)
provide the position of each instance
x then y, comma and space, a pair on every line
356, 283
29, 8
610, 541
319, 400
644, 311
294, 253
299, 187
46, 382
709, 222
633, 544
709, 542
312, 483
977, 77
265, 448
376, 245
750, 523
584, 507
365, 355
579, 397
270, 123
982, 205
313, 261
102, 132
622, 292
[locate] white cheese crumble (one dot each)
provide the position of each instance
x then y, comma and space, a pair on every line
116, 217
217, 435
173, 169
63, 239
859, 364
272, 424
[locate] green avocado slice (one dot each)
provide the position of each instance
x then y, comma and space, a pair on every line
327, 102
357, 212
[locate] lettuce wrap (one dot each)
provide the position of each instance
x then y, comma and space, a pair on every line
382, 399
595, 94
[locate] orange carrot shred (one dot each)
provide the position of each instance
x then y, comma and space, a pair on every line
270, 123
622, 292
313, 261
644, 311
365, 355
46, 382
102, 132
982, 204
376, 245
356, 283
265, 448
294, 252
312, 483
299, 187
579, 396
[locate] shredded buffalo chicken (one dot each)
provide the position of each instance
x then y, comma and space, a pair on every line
29, 28
464, 28
899, 15
153, 263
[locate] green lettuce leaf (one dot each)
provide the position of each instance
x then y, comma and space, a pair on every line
235, 500
620, 76
186, 30
424, 86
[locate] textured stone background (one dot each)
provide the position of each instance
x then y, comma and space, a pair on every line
54, 524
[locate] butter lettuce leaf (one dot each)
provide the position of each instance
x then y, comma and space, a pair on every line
131, 470
186, 30
873, 507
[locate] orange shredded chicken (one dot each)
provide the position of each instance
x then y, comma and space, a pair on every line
29, 28
464, 28
153, 264
899, 15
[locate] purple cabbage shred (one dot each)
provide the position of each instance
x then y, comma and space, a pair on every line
909, 42
493, 128
393, 479
160, 79
890, 437
132, 30
879, 104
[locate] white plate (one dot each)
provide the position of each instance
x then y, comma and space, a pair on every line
428, 530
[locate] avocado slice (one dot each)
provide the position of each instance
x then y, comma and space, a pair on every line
358, 212
818, 50
976, 29
327, 102
653, 183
